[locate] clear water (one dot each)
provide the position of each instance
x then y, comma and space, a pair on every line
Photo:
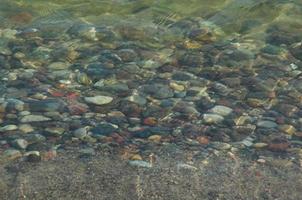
152, 80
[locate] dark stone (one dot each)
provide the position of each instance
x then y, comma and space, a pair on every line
127, 55
98, 71
33, 158
296, 51
182, 76
158, 91
192, 59
103, 129
47, 105
278, 35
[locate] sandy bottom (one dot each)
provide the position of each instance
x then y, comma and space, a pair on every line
106, 176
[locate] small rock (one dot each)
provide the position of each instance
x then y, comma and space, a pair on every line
140, 163
287, 128
103, 129
140, 100
221, 110
47, 105
212, 118
58, 66
12, 154
220, 145
177, 87
99, 100
266, 124
33, 156
185, 166
154, 138
87, 152
26, 128
20, 143
136, 157
81, 132
10, 127
34, 118
260, 145
55, 131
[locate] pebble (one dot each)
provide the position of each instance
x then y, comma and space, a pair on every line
26, 128
220, 145
104, 129
12, 154
10, 127
266, 124
177, 87
212, 118
55, 131
155, 138
136, 157
288, 129
20, 143
260, 145
185, 166
87, 152
34, 118
221, 110
99, 100
140, 100
81, 132
33, 156
58, 66
47, 105
140, 163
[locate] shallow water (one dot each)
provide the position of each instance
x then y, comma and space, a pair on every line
146, 81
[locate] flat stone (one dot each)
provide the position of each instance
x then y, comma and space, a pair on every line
99, 100
266, 124
212, 118
87, 152
140, 100
26, 128
12, 154
34, 118
103, 129
81, 132
20, 143
10, 127
47, 105
220, 145
55, 131
58, 66
221, 110
140, 163
260, 145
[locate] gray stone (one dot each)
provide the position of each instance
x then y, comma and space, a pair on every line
47, 105
12, 154
34, 118
266, 124
81, 132
212, 118
99, 100
220, 145
58, 66
140, 163
20, 143
221, 110
10, 127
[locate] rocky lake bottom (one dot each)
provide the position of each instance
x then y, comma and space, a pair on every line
138, 104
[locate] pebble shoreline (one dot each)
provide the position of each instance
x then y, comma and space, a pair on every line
110, 87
